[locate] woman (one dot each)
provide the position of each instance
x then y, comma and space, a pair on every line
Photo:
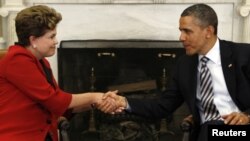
30, 99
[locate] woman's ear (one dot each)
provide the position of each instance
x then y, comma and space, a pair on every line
32, 40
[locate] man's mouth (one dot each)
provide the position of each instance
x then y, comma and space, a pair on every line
186, 46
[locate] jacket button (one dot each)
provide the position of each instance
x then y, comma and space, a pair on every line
48, 121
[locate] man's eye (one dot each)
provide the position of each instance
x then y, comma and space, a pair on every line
188, 31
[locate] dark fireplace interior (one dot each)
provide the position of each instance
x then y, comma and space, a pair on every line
137, 68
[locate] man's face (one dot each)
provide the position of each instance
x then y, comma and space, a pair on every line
193, 36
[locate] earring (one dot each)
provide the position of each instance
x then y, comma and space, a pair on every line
34, 46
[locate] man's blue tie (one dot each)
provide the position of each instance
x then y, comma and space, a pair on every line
207, 93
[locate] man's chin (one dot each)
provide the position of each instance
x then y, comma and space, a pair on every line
189, 53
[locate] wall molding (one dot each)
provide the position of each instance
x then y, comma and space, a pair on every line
244, 11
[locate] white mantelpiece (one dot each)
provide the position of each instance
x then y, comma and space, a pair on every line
129, 19
116, 19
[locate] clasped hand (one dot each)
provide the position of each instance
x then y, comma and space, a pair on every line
112, 103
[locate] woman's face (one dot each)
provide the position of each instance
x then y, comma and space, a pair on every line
45, 46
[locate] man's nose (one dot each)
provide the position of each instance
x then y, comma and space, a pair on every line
182, 37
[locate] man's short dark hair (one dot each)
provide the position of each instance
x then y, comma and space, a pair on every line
204, 14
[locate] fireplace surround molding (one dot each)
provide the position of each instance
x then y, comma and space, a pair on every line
127, 19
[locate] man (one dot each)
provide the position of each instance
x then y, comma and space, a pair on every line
226, 85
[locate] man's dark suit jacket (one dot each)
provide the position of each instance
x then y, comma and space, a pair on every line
235, 59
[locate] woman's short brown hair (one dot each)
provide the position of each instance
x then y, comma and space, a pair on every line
35, 21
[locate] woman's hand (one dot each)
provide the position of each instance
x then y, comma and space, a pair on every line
112, 103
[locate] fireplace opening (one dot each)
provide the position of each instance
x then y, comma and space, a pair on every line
137, 68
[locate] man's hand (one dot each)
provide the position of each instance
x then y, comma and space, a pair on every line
236, 118
112, 103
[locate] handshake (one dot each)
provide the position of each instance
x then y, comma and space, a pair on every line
111, 103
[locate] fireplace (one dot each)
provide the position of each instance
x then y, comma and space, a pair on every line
137, 68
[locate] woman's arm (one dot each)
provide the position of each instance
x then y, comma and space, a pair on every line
85, 101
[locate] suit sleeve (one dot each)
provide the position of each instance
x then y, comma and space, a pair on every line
165, 104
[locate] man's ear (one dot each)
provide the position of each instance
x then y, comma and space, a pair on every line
210, 31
